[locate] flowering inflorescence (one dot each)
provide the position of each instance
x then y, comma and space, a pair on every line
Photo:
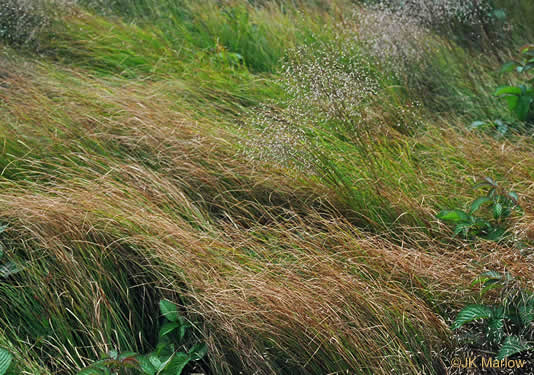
326, 85
21, 21
433, 14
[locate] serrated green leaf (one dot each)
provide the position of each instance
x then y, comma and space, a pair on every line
478, 203
523, 107
169, 310
512, 345
168, 328
198, 351
471, 313
5, 360
484, 277
177, 364
165, 363
481, 184
494, 331
101, 364
497, 210
454, 216
155, 361
146, 366
164, 348
490, 181
125, 355
492, 275
513, 196
507, 90
512, 102
181, 332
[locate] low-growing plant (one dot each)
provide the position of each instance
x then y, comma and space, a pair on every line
506, 328
487, 216
165, 359
520, 98
5, 361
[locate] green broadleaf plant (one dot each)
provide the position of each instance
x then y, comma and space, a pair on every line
165, 359
5, 361
520, 99
487, 215
507, 326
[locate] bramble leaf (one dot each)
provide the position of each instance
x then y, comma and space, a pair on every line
168, 328
512, 345
454, 216
169, 310
507, 90
471, 313
477, 203
5, 360
198, 351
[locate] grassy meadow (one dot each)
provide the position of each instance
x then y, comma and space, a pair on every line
274, 168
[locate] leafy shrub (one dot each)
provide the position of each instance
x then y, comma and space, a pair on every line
507, 327
165, 359
491, 224
520, 98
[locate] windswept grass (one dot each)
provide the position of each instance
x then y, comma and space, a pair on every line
199, 151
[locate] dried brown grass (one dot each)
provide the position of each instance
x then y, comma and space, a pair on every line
278, 279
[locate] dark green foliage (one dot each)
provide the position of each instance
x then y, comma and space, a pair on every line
165, 359
5, 361
520, 98
506, 327
494, 209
